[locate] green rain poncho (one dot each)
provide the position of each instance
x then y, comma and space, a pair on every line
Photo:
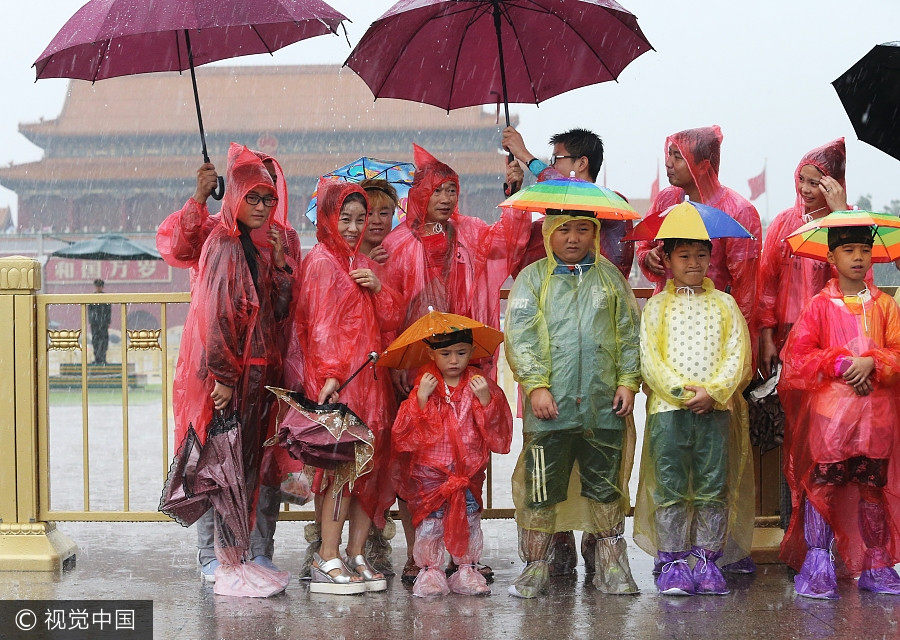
575, 333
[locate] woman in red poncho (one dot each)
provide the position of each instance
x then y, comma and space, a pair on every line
443, 259
346, 309
180, 239
692, 166
230, 344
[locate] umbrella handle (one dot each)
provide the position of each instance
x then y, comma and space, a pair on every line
373, 358
219, 192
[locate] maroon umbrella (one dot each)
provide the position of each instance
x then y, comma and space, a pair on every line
462, 53
110, 38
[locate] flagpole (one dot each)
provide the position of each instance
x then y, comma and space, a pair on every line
766, 179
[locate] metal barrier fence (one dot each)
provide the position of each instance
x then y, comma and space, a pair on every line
43, 343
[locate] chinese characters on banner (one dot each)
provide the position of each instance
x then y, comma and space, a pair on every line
66, 271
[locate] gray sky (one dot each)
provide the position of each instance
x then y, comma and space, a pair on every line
761, 70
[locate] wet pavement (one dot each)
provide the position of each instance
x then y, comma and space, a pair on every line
157, 561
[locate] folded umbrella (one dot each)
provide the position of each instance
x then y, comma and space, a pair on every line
408, 350
688, 219
107, 247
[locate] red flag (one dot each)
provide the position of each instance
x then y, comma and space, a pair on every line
757, 184
654, 188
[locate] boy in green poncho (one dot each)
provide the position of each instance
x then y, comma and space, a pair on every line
572, 331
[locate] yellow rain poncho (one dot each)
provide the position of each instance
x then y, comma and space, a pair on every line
575, 333
703, 494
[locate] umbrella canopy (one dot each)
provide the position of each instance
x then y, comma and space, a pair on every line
572, 195
689, 219
870, 93
408, 350
399, 174
109, 38
454, 53
811, 240
107, 247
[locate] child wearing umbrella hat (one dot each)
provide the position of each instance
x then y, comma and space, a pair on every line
695, 496
842, 438
445, 433
572, 343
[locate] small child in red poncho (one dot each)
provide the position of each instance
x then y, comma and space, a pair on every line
452, 421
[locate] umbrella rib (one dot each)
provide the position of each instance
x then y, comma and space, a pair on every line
103, 49
522, 51
261, 39
472, 20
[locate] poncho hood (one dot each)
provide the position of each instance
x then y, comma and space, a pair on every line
430, 174
331, 199
830, 159
701, 150
244, 171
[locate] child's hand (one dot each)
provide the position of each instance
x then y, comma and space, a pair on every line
623, 401
221, 395
479, 387
367, 279
859, 370
543, 405
277, 243
653, 261
702, 402
327, 394
427, 384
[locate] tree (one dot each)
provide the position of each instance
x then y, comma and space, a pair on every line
865, 202
893, 207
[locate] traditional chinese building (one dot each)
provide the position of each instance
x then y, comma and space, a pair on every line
123, 152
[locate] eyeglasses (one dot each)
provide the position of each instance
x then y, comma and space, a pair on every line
254, 199
555, 157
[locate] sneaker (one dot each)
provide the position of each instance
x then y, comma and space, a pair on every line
675, 577
532, 581
208, 571
265, 561
708, 579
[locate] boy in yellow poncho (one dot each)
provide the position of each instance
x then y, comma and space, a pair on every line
572, 342
696, 482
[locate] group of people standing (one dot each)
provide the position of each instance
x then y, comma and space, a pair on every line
579, 348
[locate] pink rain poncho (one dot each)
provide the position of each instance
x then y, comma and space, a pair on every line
461, 270
231, 336
341, 325
445, 449
180, 239
786, 282
830, 429
734, 260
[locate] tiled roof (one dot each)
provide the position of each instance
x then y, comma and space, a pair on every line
235, 99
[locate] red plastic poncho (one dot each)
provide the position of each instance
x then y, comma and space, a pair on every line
231, 334
341, 325
620, 253
734, 260
826, 421
460, 271
787, 282
445, 449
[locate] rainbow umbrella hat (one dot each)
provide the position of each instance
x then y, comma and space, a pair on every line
570, 194
689, 219
811, 240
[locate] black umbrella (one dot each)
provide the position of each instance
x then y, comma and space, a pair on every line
870, 93
107, 247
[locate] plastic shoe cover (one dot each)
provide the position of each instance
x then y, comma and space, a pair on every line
467, 580
613, 574
313, 534
882, 578
208, 571
532, 581
246, 579
708, 578
428, 552
563, 556
744, 565
589, 551
817, 578
675, 577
